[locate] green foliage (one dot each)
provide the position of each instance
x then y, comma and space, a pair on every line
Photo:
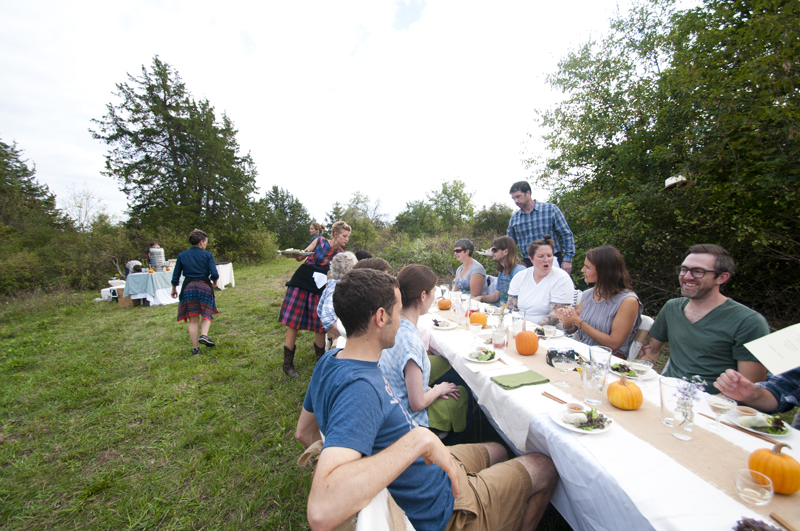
364, 217
452, 203
709, 93
493, 221
416, 220
284, 215
177, 162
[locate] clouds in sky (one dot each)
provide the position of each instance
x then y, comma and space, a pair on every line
387, 97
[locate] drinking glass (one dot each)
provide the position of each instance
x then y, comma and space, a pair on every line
564, 365
753, 487
444, 290
518, 320
549, 331
499, 337
641, 368
594, 375
668, 388
475, 329
720, 405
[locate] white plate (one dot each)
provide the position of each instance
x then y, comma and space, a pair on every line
446, 324
736, 421
559, 333
293, 251
648, 376
556, 416
473, 360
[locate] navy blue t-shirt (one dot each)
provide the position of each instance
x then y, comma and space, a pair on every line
355, 408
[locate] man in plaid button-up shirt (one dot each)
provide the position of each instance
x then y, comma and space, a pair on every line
534, 219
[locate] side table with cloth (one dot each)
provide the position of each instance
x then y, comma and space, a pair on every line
635, 476
155, 287
225, 270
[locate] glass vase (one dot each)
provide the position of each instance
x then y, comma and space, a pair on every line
683, 420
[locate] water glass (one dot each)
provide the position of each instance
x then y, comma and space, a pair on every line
517, 320
549, 331
753, 487
499, 336
668, 387
594, 380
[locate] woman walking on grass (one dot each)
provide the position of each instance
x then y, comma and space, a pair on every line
197, 305
299, 310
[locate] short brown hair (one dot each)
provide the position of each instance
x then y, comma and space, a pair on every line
724, 261
359, 295
379, 264
545, 240
196, 236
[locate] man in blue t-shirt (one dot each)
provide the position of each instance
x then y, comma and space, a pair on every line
371, 443
705, 329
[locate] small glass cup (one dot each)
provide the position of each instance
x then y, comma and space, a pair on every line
549, 331
641, 368
499, 336
753, 487
517, 320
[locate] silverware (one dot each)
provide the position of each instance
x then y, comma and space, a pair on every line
735, 427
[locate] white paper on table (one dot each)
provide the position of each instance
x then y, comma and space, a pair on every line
778, 351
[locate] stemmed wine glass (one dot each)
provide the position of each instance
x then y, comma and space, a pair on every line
641, 368
476, 329
720, 405
564, 364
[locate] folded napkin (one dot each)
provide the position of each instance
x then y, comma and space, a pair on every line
513, 381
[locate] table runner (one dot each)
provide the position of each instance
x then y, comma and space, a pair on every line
696, 455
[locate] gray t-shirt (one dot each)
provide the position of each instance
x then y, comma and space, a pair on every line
463, 283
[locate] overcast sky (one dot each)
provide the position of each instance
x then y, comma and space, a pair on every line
385, 97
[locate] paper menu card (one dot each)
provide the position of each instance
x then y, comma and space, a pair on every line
778, 351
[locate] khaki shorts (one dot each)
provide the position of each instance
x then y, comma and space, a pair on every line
492, 498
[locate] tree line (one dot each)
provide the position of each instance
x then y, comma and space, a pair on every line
709, 94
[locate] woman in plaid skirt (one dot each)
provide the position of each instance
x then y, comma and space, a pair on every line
299, 310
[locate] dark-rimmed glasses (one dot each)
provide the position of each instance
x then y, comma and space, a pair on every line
697, 272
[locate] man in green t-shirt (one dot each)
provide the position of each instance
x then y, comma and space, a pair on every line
706, 330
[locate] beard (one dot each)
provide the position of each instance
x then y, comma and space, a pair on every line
700, 292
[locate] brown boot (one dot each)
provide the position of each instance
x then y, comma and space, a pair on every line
318, 352
288, 361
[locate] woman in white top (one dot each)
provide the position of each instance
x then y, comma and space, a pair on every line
542, 289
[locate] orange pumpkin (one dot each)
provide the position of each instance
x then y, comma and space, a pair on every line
783, 470
444, 304
527, 343
478, 318
624, 394
151, 270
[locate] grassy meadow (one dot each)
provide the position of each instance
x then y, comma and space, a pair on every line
108, 422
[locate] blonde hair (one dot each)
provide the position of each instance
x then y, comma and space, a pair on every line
339, 227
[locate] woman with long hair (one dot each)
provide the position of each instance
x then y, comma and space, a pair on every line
197, 305
406, 365
542, 289
504, 254
299, 309
610, 312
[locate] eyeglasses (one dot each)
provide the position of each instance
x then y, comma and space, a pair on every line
456, 251
697, 272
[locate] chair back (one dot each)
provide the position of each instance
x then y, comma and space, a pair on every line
639, 337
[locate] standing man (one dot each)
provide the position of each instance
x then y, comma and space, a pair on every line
534, 219
705, 329
372, 443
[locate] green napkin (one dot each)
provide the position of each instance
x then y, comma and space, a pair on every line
513, 381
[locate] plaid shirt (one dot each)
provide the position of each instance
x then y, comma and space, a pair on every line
545, 218
785, 387
325, 306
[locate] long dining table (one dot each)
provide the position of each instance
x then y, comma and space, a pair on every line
635, 475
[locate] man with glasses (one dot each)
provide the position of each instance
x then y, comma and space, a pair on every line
705, 329
534, 219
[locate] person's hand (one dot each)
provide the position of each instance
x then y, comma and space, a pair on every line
445, 390
566, 266
569, 315
436, 453
735, 386
174, 293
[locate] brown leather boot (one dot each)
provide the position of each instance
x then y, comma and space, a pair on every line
288, 361
318, 352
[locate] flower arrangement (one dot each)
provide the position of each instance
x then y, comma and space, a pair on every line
689, 390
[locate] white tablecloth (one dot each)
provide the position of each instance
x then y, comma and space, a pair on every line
610, 481
225, 275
